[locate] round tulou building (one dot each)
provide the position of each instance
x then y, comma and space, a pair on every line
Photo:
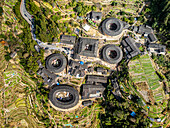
111, 27
64, 96
112, 54
56, 62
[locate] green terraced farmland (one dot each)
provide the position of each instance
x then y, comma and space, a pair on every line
141, 70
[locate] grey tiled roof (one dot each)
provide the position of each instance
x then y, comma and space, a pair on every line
151, 38
96, 79
92, 89
87, 47
99, 69
67, 39
77, 68
87, 102
49, 78
96, 15
144, 29
117, 54
130, 46
158, 47
110, 31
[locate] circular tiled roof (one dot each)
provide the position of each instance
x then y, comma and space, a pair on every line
56, 62
112, 54
72, 98
112, 27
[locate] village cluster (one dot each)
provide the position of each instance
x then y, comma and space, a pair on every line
80, 56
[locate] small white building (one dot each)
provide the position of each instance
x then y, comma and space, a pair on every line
86, 27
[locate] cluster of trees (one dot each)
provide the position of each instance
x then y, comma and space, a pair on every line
163, 62
119, 111
7, 55
1, 11
123, 73
48, 29
159, 11
117, 114
24, 44
129, 20
113, 3
72, 4
82, 9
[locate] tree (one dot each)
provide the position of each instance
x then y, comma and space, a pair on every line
114, 3
124, 5
140, 18
82, 9
122, 13
59, 13
66, 16
132, 19
67, 6
94, 8
139, 101
125, 19
1, 11
7, 56
72, 15
78, 8
6, 47
147, 10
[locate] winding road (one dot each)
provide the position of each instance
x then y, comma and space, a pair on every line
30, 19
24, 13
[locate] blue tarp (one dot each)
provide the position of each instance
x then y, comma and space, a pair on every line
152, 119
133, 114
68, 125
81, 62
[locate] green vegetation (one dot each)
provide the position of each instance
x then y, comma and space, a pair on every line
82, 9
25, 45
141, 70
1, 11
160, 19
46, 28
114, 3
163, 63
15, 96
119, 113
27, 100
7, 56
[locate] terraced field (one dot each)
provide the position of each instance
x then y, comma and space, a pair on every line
20, 106
15, 102
82, 117
9, 16
142, 70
